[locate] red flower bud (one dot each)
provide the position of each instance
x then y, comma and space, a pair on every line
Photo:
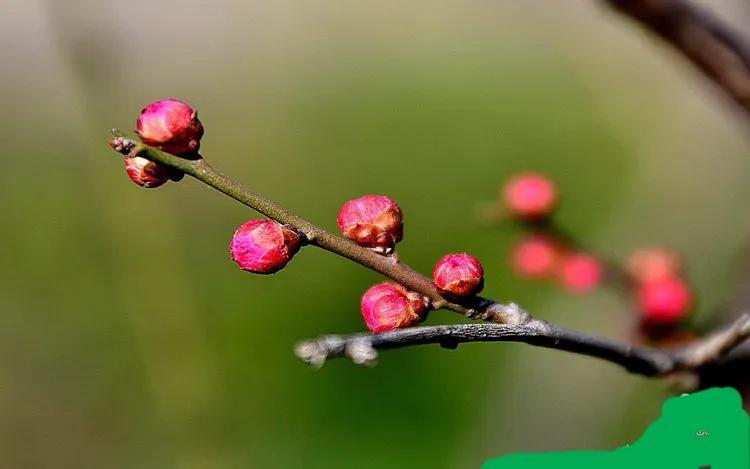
388, 306
535, 257
374, 221
458, 275
263, 246
664, 302
580, 273
146, 173
172, 126
530, 196
650, 264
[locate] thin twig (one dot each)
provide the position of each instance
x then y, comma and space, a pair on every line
717, 51
474, 308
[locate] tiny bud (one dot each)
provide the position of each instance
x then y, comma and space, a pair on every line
535, 257
389, 306
664, 302
650, 264
121, 144
580, 273
529, 196
458, 275
373, 221
263, 246
172, 126
146, 173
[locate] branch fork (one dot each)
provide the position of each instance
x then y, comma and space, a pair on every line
505, 322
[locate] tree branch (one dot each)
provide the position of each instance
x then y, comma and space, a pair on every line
363, 348
473, 308
515, 324
717, 51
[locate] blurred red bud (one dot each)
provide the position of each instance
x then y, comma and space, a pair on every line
535, 257
530, 196
580, 273
664, 302
650, 264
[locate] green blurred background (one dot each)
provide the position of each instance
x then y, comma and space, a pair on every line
128, 338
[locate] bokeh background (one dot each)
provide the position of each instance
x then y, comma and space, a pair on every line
128, 339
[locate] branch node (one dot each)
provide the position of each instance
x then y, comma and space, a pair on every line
361, 352
311, 352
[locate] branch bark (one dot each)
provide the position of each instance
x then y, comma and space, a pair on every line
711, 46
363, 348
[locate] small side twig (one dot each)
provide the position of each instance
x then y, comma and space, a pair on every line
716, 345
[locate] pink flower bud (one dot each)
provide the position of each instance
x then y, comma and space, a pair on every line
458, 275
388, 306
650, 264
263, 246
664, 302
580, 273
535, 257
374, 221
146, 173
530, 197
172, 126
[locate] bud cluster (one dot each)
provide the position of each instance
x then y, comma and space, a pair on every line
652, 277
173, 127
543, 256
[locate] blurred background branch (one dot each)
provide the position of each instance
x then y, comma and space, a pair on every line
712, 46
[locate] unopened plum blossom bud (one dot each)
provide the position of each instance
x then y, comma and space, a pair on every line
264, 246
535, 257
172, 126
458, 275
373, 221
530, 196
664, 302
650, 264
580, 273
146, 173
389, 306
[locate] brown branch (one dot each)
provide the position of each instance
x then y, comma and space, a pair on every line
473, 308
363, 348
717, 51
516, 325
